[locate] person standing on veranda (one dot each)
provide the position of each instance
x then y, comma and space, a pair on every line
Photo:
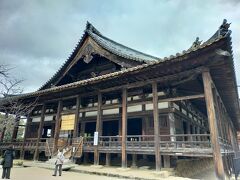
59, 163
7, 162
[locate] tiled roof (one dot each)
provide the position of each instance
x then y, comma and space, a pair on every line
118, 49
118, 73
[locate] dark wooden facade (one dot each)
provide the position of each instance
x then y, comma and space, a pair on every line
184, 105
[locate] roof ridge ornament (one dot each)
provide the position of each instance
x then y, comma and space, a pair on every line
88, 53
223, 29
91, 28
196, 44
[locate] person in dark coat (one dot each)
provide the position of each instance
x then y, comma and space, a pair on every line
8, 162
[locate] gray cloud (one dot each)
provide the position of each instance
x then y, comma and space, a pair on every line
36, 37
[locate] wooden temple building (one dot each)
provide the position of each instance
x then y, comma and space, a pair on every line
108, 100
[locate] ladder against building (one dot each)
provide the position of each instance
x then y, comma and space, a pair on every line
69, 150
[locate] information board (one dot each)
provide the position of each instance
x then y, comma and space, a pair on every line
68, 122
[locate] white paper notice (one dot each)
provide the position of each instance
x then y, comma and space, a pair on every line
95, 142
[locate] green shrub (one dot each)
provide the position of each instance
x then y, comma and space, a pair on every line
18, 162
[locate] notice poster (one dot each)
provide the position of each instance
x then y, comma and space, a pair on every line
95, 141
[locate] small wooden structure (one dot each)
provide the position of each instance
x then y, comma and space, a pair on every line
183, 105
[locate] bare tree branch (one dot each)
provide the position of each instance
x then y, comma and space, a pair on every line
4, 70
10, 104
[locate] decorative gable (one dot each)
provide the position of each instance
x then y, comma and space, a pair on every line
94, 45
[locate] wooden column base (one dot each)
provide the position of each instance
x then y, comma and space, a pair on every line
85, 158
36, 155
108, 159
166, 161
22, 154
96, 156
134, 161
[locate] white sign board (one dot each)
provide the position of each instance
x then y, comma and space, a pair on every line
95, 141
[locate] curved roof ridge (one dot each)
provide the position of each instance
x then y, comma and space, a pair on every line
93, 31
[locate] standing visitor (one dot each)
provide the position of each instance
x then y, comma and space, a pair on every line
59, 163
7, 162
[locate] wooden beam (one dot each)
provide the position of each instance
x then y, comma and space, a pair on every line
218, 162
61, 99
75, 131
181, 98
136, 84
124, 127
57, 125
148, 101
40, 128
186, 74
88, 109
156, 127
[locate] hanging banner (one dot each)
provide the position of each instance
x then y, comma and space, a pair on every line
68, 122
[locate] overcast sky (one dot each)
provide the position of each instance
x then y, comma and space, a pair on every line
37, 36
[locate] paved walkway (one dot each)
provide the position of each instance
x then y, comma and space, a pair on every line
94, 172
103, 171
34, 173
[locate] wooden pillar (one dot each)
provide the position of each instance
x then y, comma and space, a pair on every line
120, 122
98, 128
22, 152
189, 131
156, 127
193, 132
75, 131
171, 119
218, 162
144, 128
233, 140
15, 128
40, 128
219, 116
82, 131
166, 161
52, 129
57, 125
108, 159
145, 125
4, 128
2, 134
198, 132
124, 128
